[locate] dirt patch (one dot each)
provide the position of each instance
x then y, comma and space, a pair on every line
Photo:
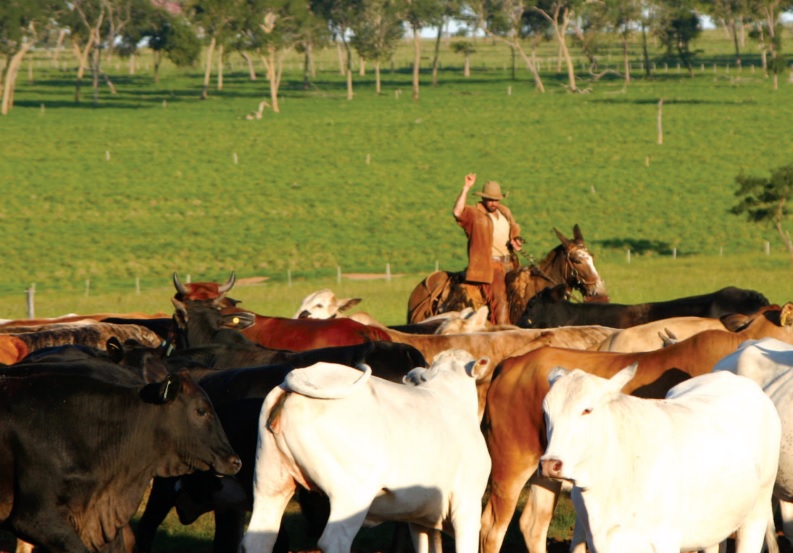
250, 280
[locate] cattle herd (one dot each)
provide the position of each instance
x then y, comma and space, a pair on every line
671, 422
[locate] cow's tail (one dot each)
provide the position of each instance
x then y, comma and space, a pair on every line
273, 405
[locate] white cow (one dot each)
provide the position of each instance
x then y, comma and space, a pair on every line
323, 304
663, 476
769, 362
380, 451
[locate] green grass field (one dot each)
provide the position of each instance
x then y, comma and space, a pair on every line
155, 180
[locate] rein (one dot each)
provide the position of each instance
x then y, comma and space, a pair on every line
569, 272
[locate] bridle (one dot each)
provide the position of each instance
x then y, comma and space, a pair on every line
570, 272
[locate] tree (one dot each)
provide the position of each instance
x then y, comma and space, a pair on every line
765, 200
768, 23
510, 22
559, 14
377, 32
342, 16
419, 14
466, 48
219, 20
19, 23
678, 25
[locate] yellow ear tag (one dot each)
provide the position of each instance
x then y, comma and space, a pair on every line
785, 319
236, 320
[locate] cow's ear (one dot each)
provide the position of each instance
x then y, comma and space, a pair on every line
162, 392
556, 374
619, 380
238, 321
734, 321
786, 316
559, 292
478, 368
114, 349
181, 312
347, 303
480, 317
154, 369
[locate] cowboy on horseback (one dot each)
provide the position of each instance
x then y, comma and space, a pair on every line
492, 234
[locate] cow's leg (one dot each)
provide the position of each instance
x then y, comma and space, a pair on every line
751, 535
272, 490
161, 499
786, 512
505, 487
465, 522
347, 513
538, 512
421, 538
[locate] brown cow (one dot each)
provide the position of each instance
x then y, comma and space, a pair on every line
12, 350
650, 336
514, 426
277, 332
497, 346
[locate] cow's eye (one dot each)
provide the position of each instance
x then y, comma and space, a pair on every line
586, 411
201, 411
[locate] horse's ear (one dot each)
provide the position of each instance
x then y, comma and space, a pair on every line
577, 236
561, 237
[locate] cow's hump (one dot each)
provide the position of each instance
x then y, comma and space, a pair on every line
326, 380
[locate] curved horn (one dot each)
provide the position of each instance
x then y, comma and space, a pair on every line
179, 286
561, 237
223, 288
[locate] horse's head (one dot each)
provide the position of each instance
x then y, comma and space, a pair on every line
579, 271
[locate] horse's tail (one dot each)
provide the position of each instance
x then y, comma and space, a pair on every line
428, 296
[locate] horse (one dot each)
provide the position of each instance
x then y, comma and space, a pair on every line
569, 263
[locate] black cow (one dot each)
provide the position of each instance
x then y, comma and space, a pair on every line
551, 308
78, 449
238, 395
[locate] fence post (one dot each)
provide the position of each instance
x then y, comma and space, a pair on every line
767, 247
87, 286
388, 272
338, 275
629, 257
289, 278
137, 285
30, 294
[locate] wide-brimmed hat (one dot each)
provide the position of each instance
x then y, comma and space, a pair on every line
491, 191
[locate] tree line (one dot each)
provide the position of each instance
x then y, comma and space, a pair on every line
371, 29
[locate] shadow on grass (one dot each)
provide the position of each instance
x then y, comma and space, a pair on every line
638, 246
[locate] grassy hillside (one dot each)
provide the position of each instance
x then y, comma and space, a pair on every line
156, 180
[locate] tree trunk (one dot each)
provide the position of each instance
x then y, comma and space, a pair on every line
208, 71
361, 66
436, 57
785, 239
467, 65
275, 70
377, 83
220, 67
349, 70
342, 70
645, 54
9, 80
156, 56
58, 46
735, 41
132, 68
416, 61
82, 58
251, 68
95, 75
561, 31
626, 58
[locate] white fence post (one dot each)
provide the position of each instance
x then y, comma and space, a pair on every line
30, 294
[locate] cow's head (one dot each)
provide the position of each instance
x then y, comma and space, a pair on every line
204, 290
189, 434
323, 304
199, 321
576, 415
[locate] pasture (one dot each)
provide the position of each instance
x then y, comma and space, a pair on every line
154, 180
